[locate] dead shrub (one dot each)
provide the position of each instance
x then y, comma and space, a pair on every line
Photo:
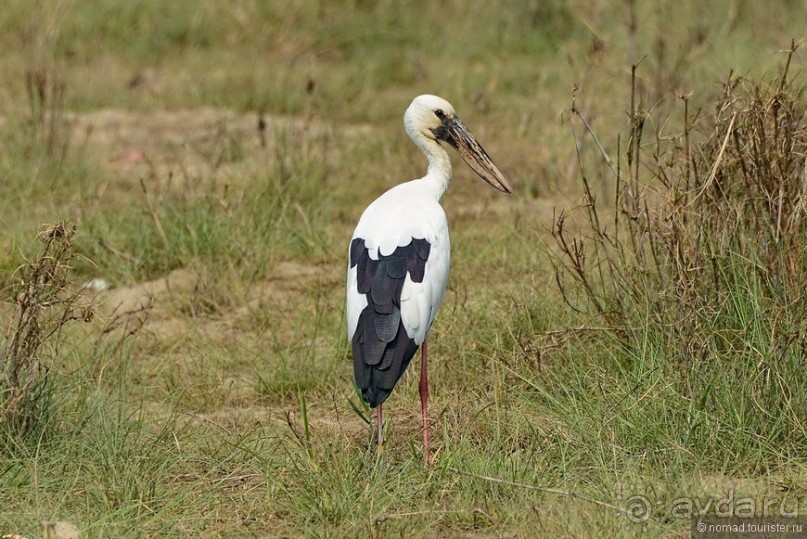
707, 221
44, 304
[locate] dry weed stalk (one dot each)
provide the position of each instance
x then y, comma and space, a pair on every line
44, 85
45, 90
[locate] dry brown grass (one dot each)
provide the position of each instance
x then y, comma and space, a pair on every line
220, 153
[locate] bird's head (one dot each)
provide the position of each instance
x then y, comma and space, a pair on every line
433, 118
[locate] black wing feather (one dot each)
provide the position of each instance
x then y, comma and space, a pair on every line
396, 267
381, 348
386, 325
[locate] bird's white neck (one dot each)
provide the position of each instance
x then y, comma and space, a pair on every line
439, 173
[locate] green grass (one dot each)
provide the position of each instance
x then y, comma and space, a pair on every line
228, 414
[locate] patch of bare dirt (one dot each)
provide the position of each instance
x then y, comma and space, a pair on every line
327, 421
162, 304
190, 144
287, 282
129, 298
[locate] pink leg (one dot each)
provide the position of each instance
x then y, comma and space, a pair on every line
424, 399
379, 426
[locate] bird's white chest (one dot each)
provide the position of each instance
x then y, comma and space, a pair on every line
399, 215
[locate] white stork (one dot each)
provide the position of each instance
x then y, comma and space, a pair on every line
399, 257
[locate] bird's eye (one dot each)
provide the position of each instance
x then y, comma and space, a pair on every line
440, 114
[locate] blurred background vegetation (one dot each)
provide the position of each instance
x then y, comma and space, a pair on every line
630, 323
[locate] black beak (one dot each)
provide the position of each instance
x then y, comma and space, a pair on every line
454, 132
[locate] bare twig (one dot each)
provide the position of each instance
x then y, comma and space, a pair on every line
716, 164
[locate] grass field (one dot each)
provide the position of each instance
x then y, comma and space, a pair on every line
610, 377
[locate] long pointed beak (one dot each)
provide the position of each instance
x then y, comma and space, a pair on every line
475, 155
